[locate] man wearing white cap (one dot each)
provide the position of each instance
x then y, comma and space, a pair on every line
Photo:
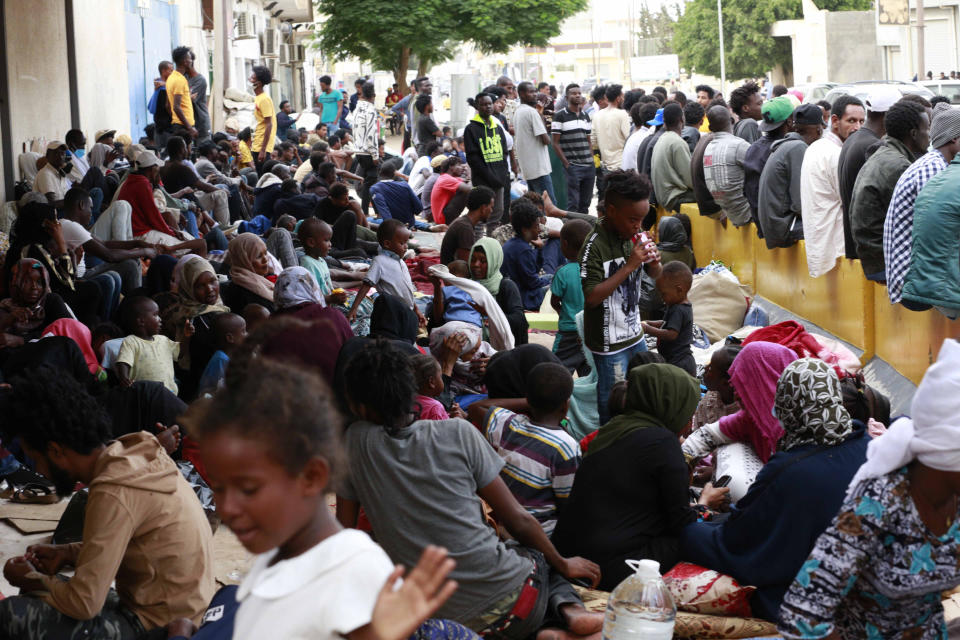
148, 223
854, 153
53, 178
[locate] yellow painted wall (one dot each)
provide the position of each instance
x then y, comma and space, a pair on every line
842, 302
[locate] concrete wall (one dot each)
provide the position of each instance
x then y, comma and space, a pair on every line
102, 82
852, 54
37, 65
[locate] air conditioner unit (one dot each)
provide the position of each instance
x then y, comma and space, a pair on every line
285, 53
274, 66
270, 43
296, 53
246, 29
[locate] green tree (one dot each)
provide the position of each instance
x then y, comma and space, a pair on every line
750, 49
386, 33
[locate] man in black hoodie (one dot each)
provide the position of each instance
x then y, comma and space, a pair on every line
486, 148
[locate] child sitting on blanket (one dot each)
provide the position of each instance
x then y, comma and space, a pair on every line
315, 237
388, 272
451, 303
229, 332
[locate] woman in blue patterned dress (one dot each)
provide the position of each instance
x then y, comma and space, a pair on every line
878, 571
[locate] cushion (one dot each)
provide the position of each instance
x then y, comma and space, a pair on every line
698, 625
699, 590
719, 303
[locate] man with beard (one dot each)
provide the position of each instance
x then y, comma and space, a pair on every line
143, 525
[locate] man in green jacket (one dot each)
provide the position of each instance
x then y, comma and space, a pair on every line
907, 138
670, 165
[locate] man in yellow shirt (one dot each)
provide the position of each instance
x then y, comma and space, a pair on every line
178, 95
705, 94
264, 135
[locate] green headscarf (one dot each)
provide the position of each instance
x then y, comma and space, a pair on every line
658, 395
494, 253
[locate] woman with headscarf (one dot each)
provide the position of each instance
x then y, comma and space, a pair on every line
879, 569
197, 298
794, 498
316, 342
79, 333
31, 306
249, 268
37, 235
486, 258
753, 430
673, 242
630, 496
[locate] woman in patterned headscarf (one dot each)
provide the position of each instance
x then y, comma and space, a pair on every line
796, 495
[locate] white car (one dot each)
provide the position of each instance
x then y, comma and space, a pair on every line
947, 88
815, 91
862, 89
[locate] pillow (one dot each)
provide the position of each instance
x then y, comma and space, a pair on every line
697, 625
719, 303
699, 590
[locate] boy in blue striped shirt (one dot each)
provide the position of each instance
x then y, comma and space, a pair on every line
540, 457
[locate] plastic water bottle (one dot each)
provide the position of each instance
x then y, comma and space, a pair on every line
641, 607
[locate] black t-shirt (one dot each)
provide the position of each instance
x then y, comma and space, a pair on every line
426, 128
460, 235
328, 211
679, 318
176, 176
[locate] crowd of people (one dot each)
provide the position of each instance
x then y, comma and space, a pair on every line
217, 305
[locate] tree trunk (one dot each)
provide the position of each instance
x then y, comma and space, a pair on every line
400, 72
422, 67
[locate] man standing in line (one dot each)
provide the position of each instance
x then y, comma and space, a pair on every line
512, 103
366, 129
264, 136
822, 210
198, 94
670, 165
178, 94
531, 142
854, 154
571, 141
723, 169
745, 102
331, 103
777, 123
611, 128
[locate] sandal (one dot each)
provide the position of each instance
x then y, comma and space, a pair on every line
35, 494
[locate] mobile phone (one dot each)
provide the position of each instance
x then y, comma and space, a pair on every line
722, 481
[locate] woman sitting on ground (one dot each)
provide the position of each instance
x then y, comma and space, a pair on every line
794, 498
424, 481
486, 258
754, 375
31, 305
630, 498
674, 243
880, 568
249, 268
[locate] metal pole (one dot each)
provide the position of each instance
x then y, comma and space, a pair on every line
723, 62
921, 62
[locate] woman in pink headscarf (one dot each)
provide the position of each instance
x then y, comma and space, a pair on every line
753, 375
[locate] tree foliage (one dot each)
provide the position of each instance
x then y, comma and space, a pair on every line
655, 29
750, 49
386, 33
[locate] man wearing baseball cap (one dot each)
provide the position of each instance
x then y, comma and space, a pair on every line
779, 205
775, 123
52, 179
854, 153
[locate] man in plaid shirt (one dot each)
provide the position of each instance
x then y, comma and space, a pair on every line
898, 225
723, 168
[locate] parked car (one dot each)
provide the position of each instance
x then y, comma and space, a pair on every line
947, 88
814, 91
862, 89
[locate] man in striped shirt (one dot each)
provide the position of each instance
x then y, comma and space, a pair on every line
571, 141
540, 457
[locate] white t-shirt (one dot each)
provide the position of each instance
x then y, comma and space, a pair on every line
48, 180
532, 154
80, 168
632, 146
75, 235
419, 174
322, 594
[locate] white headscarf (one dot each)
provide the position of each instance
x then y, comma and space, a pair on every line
296, 286
932, 435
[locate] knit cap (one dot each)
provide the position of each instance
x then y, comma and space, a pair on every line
945, 126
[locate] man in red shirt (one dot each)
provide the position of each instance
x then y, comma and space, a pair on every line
148, 222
